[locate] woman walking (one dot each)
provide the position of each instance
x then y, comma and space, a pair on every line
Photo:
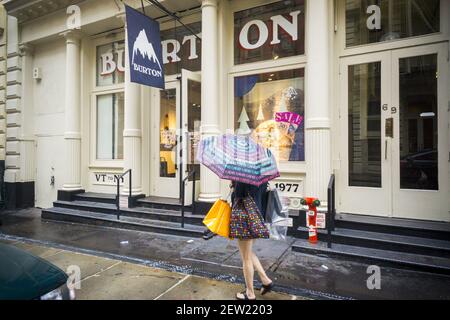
247, 224
250, 166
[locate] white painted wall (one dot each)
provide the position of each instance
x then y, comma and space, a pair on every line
49, 120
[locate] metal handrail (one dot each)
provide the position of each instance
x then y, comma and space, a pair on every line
183, 194
118, 190
331, 207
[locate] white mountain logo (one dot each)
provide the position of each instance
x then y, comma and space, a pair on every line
145, 48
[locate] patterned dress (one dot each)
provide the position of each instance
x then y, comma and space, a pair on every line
246, 222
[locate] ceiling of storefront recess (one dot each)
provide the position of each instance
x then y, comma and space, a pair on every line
179, 7
27, 10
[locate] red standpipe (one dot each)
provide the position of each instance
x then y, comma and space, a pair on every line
312, 204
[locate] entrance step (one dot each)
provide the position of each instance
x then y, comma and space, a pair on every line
125, 222
136, 212
422, 245
384, 241
96, 197
161, 203
407, 227
369, 255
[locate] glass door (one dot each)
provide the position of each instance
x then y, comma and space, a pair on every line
364, 181
191, 121
166, 142
420, 159
395, 134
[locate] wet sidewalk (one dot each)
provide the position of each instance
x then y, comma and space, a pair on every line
296, 274
110, 279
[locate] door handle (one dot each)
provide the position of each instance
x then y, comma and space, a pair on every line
385, 149
389, 128
389, 133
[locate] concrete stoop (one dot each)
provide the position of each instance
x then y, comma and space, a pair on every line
403, 243
101, 210
412, 244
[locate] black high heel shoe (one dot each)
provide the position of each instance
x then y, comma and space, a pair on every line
207, 235
244, 294
266, 288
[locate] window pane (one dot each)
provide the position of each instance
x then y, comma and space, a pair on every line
110, 122
364, 125
194, 122
168, 134
418, 123
371, 21
110, 63
270, 107
183, 49
254, 36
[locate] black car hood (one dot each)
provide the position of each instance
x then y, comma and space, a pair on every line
24, 276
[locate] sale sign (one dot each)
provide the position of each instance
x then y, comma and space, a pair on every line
289, 117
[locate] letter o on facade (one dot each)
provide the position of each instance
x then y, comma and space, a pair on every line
263, 34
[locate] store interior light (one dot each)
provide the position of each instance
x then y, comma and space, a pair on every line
427, 115
390, 36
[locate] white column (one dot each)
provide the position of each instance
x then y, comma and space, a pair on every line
11, 125
317, 126
209, 182
27, 140
3, 56
72, 134
132, 134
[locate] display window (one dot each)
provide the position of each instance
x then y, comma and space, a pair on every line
373, 21
110, 64
108, 102
269, 32
110, 122
270, 107
181, 49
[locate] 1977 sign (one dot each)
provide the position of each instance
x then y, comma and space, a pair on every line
287, 187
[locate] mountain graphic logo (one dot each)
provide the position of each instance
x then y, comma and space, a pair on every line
143, 47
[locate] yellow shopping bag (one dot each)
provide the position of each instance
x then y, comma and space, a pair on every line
218, 218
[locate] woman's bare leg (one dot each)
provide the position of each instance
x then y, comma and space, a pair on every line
259, 268
245, 248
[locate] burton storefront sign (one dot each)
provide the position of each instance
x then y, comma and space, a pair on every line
144, 47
